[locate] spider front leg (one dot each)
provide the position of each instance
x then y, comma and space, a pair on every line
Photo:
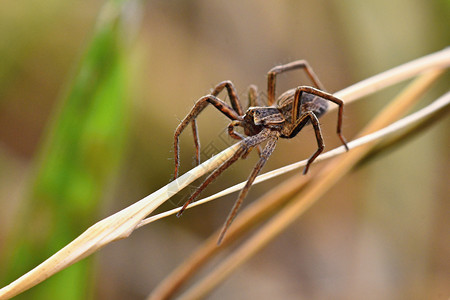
298, 64
265, 154
234, 99
199, 106
297, 107
235, 104
196, 141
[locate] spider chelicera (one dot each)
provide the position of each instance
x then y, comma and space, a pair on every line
294, 109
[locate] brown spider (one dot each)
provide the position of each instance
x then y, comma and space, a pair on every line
295, 108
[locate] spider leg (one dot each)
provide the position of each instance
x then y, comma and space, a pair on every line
235, 135
268, 150
211, 177
253, 98
234, 99
304, 118
296, 108
298, 64
196, 141
246, 144
235, 104
195, 111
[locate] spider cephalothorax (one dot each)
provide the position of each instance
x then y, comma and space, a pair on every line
258, 118
294, 109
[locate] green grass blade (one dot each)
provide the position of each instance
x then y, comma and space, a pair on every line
80, 154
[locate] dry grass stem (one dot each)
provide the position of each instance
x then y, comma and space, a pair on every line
124, 222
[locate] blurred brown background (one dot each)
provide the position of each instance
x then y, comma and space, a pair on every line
382, 234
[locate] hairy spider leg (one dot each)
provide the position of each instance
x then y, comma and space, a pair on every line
196, 141
234, 99
247, 143
298, 64
296, 108
235, 104
211, 177
199, 106
265, 154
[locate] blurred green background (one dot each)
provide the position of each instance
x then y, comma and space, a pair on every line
91, 93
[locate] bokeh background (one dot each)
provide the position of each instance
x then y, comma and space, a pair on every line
90, 95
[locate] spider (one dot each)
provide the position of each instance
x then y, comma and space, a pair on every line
294, 109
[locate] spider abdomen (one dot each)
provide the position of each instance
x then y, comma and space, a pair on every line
308, 102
